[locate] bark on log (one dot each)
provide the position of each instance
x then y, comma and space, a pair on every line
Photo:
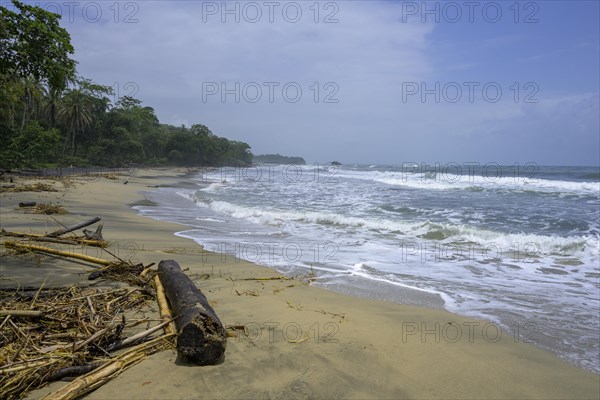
72, 228
201, 336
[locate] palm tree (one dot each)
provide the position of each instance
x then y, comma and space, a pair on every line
9, 98
75, 112
52, 97
31, 93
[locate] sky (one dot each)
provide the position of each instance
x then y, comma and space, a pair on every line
369, 82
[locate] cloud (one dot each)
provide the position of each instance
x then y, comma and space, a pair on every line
350, 74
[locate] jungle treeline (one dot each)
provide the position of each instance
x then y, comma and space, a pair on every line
51, 116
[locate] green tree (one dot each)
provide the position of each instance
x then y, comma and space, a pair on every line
75, 112
34, 147
51, 105
31, 94
32, 44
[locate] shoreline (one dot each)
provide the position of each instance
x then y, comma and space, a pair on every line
303, 341
354, 283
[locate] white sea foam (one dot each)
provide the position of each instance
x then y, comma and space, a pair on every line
440, 181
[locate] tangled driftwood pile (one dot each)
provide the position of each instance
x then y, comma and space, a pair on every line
51, 334
48, 334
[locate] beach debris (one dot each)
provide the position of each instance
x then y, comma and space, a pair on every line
28, 187
97, 235
92, 380
161, 299
27, 204
270, 278
201, 339
299, 307
248, 293
68, 332
232, 330
32, 247
43, 238
72, 228
277, 290
48, 209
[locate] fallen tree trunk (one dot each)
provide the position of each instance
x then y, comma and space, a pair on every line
201, 336
72, 228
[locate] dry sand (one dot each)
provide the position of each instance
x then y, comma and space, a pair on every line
302, 341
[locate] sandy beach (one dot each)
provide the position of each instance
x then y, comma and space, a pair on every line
301, 341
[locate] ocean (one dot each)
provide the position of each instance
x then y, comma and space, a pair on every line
517, 245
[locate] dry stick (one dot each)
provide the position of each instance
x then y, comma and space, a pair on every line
73, 227
38, 237
161, 299
95, 336
98, 377
21, 366
49, 250
110, 303
16, 355
94, 235
37, 294
163, 306
136, 337
21, 313
271, 278
76, 345
5, 321
17, 329
89, 301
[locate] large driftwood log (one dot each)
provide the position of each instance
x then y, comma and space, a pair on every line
72, 228
201, 336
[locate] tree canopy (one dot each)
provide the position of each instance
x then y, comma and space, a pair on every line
32, 44
49, 116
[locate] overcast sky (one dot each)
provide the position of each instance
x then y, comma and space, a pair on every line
359, 81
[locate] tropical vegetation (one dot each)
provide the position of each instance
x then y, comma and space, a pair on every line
50, 116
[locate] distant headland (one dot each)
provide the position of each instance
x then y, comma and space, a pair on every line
277, 159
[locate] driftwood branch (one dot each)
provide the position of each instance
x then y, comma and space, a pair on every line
97, 235
21, 246
43, 238
72, 228
132, 339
